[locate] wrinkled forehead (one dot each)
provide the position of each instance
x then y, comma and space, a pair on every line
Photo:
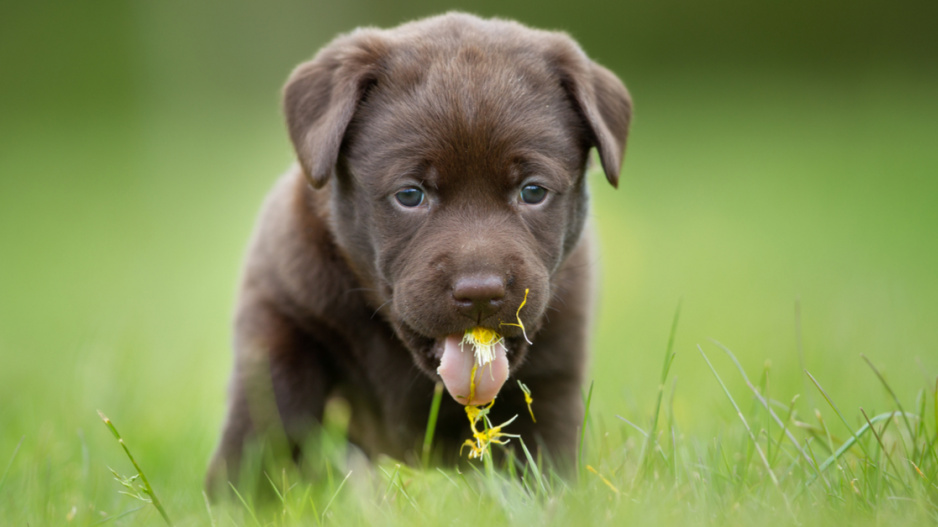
468, 108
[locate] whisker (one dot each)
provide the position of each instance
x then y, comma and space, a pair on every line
379, 309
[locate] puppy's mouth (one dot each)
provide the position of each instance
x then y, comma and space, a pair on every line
449, 359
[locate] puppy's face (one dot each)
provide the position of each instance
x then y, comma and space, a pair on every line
458, 187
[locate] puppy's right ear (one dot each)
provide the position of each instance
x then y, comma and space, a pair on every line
321, 96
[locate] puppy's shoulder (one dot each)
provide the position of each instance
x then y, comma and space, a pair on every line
292, 259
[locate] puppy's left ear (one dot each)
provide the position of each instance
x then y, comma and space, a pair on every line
602, 99
321, 97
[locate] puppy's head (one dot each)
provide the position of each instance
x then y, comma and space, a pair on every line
455, 149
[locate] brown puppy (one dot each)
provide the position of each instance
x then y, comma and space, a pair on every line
441, 175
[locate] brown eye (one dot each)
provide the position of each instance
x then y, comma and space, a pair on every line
410, 197
533, 194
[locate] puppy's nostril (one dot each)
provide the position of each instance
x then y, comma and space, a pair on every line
479, 290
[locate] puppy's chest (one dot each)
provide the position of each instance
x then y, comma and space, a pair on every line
384, 387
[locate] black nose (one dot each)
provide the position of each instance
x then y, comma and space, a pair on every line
478, 296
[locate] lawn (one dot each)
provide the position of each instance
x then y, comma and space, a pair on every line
790, 217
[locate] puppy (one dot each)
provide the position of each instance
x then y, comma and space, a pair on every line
440, 184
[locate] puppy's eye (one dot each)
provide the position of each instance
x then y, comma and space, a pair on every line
533, 194
410, 197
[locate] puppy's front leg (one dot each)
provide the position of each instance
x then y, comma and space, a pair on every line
278, 390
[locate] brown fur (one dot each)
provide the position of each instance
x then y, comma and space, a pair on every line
345, 292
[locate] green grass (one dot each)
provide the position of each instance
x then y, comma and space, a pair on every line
761, 469
790, 214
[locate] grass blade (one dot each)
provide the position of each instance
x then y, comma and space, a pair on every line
836, 410
665, 368
785, 431
847, 445
119, 516
247, 506
883, 447
431, 424
586, 414
208, 509
799, 341
652, 435
445, 475
390, 476
143, 477
336, 493
535, 471
895, 399
633, 425
766, 405
752, 436
10, 464
273, 485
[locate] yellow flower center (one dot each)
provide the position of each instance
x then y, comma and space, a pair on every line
483, 342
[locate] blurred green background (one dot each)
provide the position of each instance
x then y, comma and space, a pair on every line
782, 154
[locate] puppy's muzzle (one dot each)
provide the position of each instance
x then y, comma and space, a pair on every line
478, 296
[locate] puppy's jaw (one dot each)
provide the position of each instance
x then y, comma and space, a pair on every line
426, 308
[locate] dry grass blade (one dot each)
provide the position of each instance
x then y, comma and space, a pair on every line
603, 479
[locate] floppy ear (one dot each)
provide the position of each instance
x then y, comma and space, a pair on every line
321, 96
603, 101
